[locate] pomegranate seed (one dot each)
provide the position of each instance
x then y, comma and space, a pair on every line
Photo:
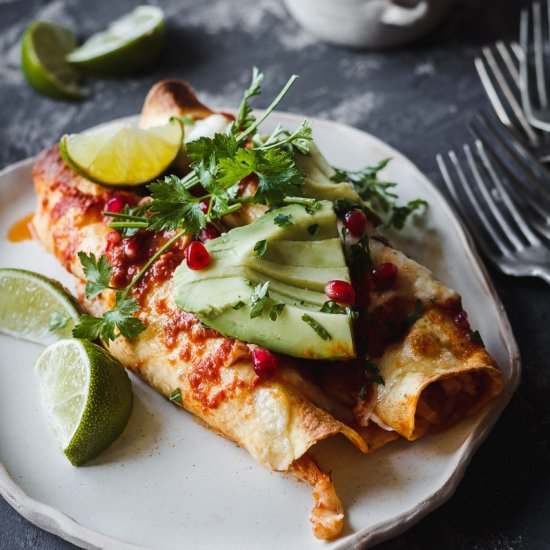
461, 320
196, 256
264, 362
116, 204
209, 232
113, 237
204, 206
384, 275
355, 222
131, 249
341, 292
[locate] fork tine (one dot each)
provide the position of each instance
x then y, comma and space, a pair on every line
487, 84
521, 157
503, 248
523, 191
523, 68
507, 58
506, 228
512, 209
539, 59
480, 239
508, 94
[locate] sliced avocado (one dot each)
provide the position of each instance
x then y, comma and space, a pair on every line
297, 263
318, 184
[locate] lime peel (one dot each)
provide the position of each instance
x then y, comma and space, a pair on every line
87, 397
43, 50
35, 308
130, 44
121, 155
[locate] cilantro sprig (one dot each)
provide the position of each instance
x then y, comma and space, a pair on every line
118, 320
378, 194
218, 165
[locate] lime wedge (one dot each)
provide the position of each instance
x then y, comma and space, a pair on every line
43, 50
121, 154
130, 44
35, 308
87, 396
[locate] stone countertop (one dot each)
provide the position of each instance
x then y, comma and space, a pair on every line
417, 99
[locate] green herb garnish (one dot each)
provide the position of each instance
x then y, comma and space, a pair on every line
317, 327
377, 194
275, 311
240, 304
175, 397
260, 248
258, 299
330, 306
283, 220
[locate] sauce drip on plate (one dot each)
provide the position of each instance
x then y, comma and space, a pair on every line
20, 230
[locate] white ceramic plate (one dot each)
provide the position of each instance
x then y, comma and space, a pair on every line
169, 483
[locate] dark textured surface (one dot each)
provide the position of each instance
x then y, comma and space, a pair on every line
417, 99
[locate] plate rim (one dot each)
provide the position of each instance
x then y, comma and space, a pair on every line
63, 525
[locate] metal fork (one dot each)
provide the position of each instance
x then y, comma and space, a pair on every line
534, 101
499, 190
497, 67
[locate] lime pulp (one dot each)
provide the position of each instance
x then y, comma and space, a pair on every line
87, 397
35, 308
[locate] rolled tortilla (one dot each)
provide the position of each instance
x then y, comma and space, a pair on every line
273, 419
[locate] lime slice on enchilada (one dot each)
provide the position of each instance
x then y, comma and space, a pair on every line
87, 396
120, 155
35, 308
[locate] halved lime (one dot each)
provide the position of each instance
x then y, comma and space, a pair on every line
130, 44
43, 50
121, 154
34, 307
87, 396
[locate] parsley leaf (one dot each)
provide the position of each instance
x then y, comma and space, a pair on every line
378, 195
119, 317
220, 146
298, 140
88, 327
330, 306
260, 248
240, 304
244, 116
276, 169
173, 207
399, 214
129, 214
275, 311
283, 220
97, 272
317, 327
313, 207
258, 298
57, 321
175, 397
